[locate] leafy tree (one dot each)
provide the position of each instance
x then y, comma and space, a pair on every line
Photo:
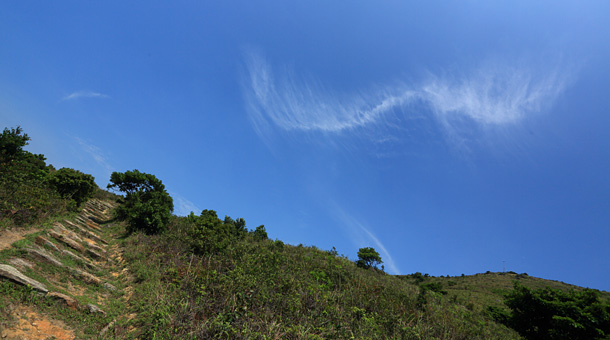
25, 195
73, 184
368, 257
147, 206
12, 142
555, 314
260, 233
13, 159
237, 227
209, 234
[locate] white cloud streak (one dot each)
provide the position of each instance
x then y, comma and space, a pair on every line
182, 206
97, 154
84, 94
362, 237
493, 95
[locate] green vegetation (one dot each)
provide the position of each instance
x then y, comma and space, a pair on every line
200, 277
73, 184
250, 288
555, 314
368, 257
32, 191
147, 206
87, 325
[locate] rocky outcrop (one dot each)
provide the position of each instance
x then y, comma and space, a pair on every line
67, 241
42, 255
70, 302
43, 242
13, 274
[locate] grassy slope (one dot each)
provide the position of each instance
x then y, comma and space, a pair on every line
477, 292
269, 290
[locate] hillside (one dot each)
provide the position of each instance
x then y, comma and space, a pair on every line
90, 281
77, 262
479, 291
112, 285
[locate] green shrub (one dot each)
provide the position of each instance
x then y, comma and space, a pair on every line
146, 206
260, 233
368, 257
73, 184
208, 234
436, 287
25, 195
554, 314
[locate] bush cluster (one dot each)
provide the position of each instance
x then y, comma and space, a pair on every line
146, 206
30, 189
554, 314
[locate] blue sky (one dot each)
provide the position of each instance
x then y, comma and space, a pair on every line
454, 137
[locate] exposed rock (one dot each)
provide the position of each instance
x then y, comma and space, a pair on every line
85, 222
20, 263
58, 227
86, 232
93, 225
70, 302
97, 248
41, 241
109, 287
79, 259
93, 309
68, 241
107, 328
43, 256
94, 216
15, 275
86, 276
94, 254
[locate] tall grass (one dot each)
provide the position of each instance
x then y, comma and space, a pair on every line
269, 290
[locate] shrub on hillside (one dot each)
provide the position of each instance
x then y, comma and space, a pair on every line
73, 184
260, 233
25, 196
146, 206
368, 257
555, 314
208, 234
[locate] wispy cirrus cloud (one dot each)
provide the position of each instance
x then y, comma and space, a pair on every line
362, 237
495, 94
182, 206
97, 154
84, 94
290, 104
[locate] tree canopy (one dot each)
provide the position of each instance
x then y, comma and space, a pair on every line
73, 184
368, 257
555, 314
147, 206
30, 189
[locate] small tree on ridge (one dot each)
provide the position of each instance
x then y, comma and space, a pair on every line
368, 257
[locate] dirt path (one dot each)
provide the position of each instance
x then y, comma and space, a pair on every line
32, 325
8, 237
72, 263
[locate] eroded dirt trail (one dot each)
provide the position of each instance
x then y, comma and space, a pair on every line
32, 325
8, 237
69, 263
